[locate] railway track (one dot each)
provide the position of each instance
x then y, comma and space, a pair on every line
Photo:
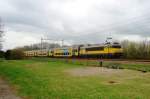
111, 60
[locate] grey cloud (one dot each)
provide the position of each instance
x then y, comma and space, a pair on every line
77, 20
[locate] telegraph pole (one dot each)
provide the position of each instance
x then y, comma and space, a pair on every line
108, 43
62, 42
45, 39
41, 44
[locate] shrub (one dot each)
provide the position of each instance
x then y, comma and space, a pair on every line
17, 54
114, 66
8, 55
2, 54
14, 54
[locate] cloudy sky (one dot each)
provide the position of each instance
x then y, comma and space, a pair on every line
75, 21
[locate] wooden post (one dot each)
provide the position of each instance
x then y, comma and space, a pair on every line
101, 62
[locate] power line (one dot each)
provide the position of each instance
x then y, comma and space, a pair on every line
47, 39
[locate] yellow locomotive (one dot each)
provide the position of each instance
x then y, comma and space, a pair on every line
101, 51
95, 50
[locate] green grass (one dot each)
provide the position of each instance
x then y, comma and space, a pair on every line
109, 64
133, 66
42, 79
1, 59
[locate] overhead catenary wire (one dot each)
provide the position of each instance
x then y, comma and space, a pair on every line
48, 39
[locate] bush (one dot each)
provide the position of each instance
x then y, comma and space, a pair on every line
8, 55
14, 54
114, 66
2, 54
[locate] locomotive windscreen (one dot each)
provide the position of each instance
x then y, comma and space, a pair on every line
116, 46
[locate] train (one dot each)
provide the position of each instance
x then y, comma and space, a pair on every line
107, 50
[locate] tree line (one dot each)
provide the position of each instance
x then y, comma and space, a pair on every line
39, 46
136, 50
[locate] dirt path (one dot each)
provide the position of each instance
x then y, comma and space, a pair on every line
5, 91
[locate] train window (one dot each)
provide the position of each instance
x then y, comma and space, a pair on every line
116, 46
75, 50
94, 48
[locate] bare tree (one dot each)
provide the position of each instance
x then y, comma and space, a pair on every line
136, 50
1, 33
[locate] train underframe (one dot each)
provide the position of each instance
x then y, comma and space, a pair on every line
96, 56
102, 56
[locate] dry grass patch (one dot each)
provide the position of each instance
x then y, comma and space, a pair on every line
90, 71
110, 76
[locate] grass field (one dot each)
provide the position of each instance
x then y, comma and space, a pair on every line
42, 79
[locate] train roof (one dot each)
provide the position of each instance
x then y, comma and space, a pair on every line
82, 46
63, 47
93, 46
100, 45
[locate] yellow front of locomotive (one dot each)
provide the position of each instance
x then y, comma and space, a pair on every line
115, 50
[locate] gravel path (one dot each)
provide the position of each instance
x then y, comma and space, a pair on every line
5, 91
